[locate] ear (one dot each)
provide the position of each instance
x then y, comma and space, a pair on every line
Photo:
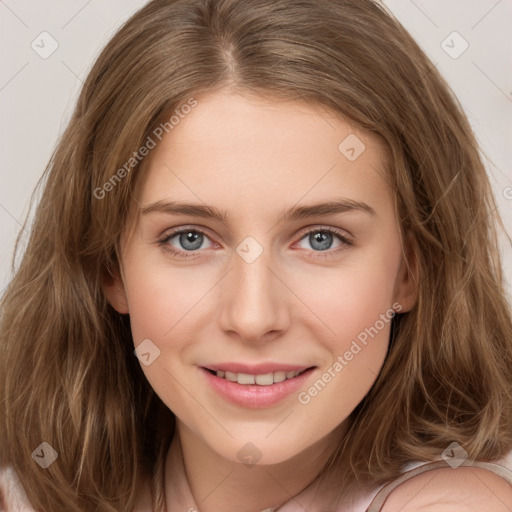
113, 288
407, 281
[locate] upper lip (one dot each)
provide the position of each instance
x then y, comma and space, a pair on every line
257, 369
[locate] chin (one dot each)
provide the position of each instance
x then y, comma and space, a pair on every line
260, 452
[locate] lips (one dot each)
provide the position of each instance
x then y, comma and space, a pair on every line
256, 369
256, 386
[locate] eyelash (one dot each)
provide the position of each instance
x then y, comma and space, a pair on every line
163, 242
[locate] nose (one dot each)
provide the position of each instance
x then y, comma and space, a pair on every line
254, 301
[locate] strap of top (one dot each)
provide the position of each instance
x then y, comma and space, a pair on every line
381, 497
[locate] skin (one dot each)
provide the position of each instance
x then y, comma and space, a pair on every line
254, 159
462, 489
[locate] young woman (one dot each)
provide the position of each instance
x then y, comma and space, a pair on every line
262, 275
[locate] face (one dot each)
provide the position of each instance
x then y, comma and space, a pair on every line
254, 281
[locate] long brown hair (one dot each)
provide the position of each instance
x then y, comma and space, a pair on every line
68, 373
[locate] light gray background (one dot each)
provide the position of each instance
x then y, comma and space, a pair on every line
37, 95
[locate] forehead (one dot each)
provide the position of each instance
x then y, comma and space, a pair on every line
254, 154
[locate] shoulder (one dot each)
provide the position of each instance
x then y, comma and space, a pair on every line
461, 489
14, 499
12, 496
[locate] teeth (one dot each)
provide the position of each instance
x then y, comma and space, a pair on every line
229, 376
279, 376
244, 378
266, 379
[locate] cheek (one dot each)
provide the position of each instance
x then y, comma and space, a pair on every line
163, 300
361, 320
165, 305
162, 303
355, 303
351, 297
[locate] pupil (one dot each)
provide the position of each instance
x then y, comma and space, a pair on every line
191, 240
321, 240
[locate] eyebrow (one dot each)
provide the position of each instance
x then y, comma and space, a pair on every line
296, 213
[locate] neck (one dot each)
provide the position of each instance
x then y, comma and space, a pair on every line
199, 478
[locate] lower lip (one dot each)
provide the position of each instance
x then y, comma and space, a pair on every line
252, 395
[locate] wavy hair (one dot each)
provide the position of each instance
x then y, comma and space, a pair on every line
68, 373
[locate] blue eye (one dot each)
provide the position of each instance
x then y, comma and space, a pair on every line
191, 240
320, 240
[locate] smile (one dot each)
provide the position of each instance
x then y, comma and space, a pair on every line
261, 388
265, 379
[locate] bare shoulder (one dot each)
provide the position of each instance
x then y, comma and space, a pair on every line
12, 495
462, 489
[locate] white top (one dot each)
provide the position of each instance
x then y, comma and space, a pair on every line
16, 501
